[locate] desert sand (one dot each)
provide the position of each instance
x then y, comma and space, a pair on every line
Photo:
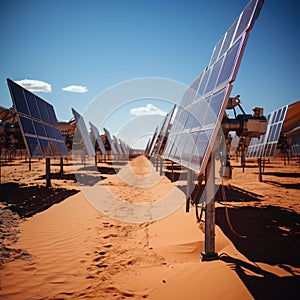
56, 245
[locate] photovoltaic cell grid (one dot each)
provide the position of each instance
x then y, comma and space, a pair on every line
83, 134
111, 142
202, 106
38, 123
267, 144
97, 137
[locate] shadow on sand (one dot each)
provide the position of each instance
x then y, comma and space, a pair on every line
272, 237
29, 200
263, 284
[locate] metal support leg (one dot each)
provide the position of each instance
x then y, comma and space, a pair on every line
61, 166
160, 166
209, 243
189, 189
48, 177
259, 170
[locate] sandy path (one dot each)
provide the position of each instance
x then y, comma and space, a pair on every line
73, 251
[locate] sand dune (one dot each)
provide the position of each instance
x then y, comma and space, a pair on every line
70, 250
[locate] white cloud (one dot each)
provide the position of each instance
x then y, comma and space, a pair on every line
34, 85
75, 89
149, 109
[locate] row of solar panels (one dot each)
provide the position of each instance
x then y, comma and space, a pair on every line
118, 147
40, 129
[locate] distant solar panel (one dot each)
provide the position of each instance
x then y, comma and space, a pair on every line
202, 107
267, 144
234, 144
124, 148
97, 137
111, 142
164, 130
82, 130
152, 142
38, 123
117, 145
296, 147
158, 137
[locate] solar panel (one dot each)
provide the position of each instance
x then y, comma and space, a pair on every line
296, 147
234, 144
164, 130
152, 142
38, 123
124, 148
83, 134
97, 137
202, 106
117, 145
267, 144
158, 137
111, 143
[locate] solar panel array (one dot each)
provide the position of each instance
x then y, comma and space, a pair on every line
267, 144
38, 123
97, 137
202, 106
83, 135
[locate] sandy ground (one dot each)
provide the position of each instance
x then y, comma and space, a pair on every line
56, 245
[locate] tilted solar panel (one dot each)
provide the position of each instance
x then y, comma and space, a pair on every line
111, 142
38, 123
296, 147
158, 137
151, 142
117, 145
202, 107
83, 133
164, 130
97, 137
267, 144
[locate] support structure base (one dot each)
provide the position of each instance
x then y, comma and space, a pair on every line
208, 256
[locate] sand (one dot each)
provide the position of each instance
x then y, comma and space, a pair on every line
56, 245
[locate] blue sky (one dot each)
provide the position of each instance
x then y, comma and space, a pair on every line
97, 44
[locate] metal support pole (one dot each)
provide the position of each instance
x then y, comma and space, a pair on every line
172, 172
209, 242
0, 165
189, 189
29, 164
160, 166
259, 170
61, 166
48, 179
